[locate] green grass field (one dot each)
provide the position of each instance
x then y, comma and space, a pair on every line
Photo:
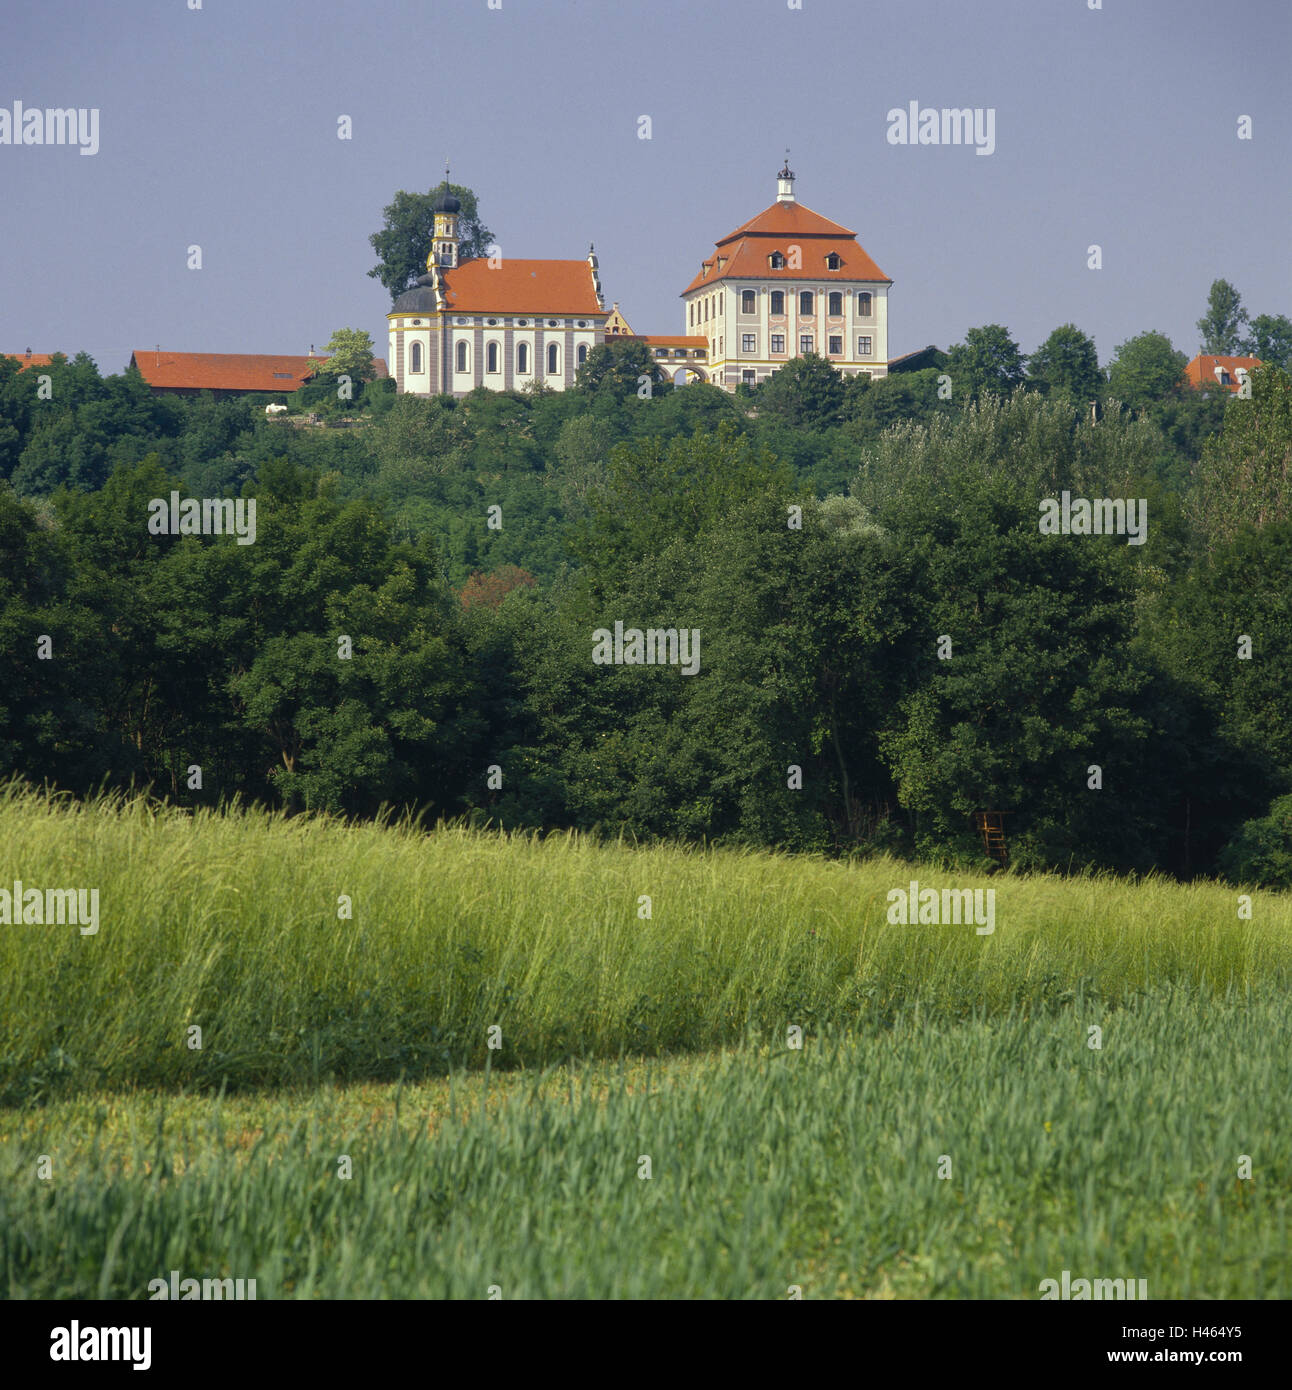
926, 1050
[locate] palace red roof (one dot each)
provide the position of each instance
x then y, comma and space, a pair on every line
30, 359
745, 253
522, 287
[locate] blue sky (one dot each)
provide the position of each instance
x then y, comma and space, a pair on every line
218, 127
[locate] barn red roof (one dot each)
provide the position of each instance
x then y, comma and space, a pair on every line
228, 371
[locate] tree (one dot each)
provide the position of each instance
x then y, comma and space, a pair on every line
1245, 476
806, 392
987, 361
1144, 369
1222, 325
404, 241
1271, 340
616, 369
349, 353
1067, 361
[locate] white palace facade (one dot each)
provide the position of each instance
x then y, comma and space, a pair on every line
786, 283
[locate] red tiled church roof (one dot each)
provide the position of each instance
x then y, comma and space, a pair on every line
522, 287
30, 359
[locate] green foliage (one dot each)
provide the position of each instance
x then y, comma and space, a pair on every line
1271, 340
408, 226
1262, 851
1222, 325
807, 392
1145, 368
1245, 476
349, 352
987, 362
1067, 362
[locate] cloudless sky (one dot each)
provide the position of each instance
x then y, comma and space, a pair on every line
218, 127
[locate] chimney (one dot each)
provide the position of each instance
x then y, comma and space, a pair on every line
159, 354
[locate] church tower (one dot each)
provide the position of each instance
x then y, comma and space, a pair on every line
444, 243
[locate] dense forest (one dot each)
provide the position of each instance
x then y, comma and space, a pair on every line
890, 642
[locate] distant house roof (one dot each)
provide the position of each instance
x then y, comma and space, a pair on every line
1202, 370
228, 371
30, 359
916, 361
745, 254
510, 287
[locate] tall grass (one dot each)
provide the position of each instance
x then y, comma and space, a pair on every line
769, 1168
229, 922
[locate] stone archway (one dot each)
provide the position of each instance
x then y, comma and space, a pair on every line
686, 371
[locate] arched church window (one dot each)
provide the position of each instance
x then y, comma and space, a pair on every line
522, 357
462, 355
553, 358
415, 364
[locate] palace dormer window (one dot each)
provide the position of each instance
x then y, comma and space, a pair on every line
778, 261
832, 261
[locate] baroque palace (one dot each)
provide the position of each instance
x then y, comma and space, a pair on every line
786, 283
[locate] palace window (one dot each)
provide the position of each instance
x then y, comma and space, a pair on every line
491, 358
747, 341
748, 376
415, 359
863, 304
836, 303
836, 345
778, 301
746, 301
863, 347
806, 300
832, 261
462, 355
805, 343
778, 342
778, 261
553, 359
522, 357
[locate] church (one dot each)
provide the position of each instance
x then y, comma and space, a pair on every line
786, 283
492, 322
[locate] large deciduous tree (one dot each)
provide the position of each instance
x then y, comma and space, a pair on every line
408, 226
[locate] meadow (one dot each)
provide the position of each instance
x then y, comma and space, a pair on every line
948, 1128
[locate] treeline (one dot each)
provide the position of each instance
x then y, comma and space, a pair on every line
888, 641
